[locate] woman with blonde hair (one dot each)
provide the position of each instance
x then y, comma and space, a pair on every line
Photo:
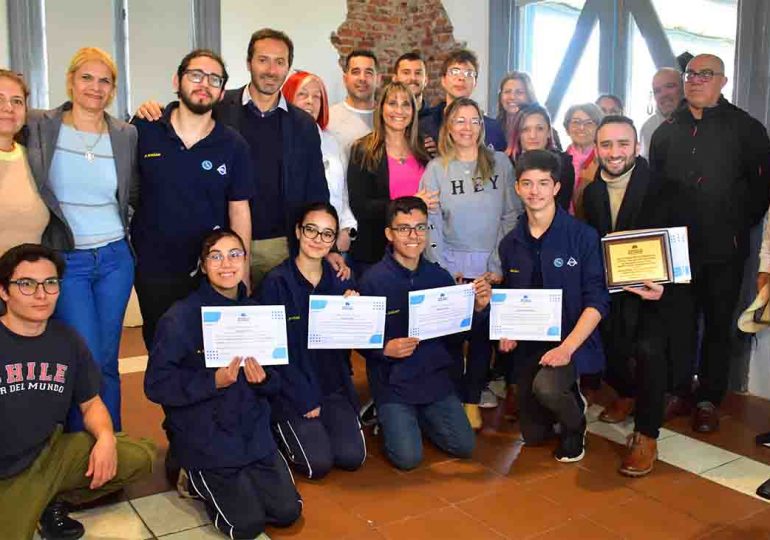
86, 161
384, 165
477, 207
23, 214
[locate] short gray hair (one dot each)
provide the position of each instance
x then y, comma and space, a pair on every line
591, 109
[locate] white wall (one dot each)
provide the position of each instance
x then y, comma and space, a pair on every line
159, 35
310, 29
70, 25
5, 54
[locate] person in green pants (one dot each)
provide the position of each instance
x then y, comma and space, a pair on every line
45, 366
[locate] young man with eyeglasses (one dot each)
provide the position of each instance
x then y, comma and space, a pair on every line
719, 156
45, 369
195, 176
549, 249
460, 72
410, 379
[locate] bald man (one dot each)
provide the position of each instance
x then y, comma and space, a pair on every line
720, 158
668, 93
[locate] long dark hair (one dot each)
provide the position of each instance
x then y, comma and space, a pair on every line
518, 127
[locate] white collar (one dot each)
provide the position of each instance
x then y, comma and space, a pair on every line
246, 98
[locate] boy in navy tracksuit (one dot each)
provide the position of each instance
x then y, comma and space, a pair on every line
218, 420
315, 413
549, 249
410, 379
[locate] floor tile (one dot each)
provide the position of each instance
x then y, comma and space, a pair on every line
517, 513
693, 455
207, 532
756, 527
458, 480
447, 524
578, 529
644, 519
615, 432
131, 342
323, 518
743, 474
168, 512
132, 364
113, 522
583, 492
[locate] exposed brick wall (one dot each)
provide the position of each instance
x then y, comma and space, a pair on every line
393, 27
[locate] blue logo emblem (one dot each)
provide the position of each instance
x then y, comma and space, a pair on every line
558, 262
207, 165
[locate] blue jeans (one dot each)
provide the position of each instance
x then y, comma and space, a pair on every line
93, 299
444, 423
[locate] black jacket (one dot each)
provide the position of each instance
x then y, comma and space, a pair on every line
369, 195
721, 165
304, 180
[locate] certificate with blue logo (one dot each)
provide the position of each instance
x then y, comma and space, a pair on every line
257, 331
355, 322
440, 312
525, 314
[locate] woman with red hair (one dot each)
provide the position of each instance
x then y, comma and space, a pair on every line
308, 92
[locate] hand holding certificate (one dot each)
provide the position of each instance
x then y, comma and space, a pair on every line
353, 322
244, 331
525, 314
441, 311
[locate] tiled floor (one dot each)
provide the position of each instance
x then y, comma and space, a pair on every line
701, 487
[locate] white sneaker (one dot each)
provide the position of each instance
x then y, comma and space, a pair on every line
488, 399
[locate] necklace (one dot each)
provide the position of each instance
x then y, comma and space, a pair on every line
89, 153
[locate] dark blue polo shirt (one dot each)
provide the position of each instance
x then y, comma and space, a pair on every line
184, 192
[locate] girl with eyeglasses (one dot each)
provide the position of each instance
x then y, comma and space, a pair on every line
477, 207
218, 419
315, 420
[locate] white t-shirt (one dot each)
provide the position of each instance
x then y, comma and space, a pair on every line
348, 124
645, 134
335, 177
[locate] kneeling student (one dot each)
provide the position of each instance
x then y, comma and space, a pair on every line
549, 249
315, 414
218, 420
410, 379
45, 368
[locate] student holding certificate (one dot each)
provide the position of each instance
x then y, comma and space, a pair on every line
477, 208
410, 379
314, 416
549, 249
218, 420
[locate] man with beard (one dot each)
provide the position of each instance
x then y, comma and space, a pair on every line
410, 69
195, 176
667, 91
626, 197
352, 118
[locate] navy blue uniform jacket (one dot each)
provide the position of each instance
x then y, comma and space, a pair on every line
304, 180
571, 260
423, 377
209, 428
310, 374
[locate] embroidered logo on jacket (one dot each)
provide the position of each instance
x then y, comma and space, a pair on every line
572, 262
558, 262
207, 165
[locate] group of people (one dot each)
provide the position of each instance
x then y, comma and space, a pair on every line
268, 194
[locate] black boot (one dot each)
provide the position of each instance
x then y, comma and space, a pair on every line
55, 524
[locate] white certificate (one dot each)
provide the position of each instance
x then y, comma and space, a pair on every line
258, 331
440, 312
525, 314
355, 322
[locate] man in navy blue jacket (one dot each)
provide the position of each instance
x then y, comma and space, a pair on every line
549, 249
410, 379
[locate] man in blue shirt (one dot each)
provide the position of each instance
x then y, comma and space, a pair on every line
460, 72
195, 176
549, 249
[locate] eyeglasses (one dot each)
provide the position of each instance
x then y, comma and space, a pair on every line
456, 72
462, 121
704, 75
216, 258
406, 230
577, 124
197, 76
311, 233
16, 103
28, 286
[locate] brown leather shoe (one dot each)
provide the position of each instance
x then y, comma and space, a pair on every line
676, 406
706, 418
618, 411
640, 456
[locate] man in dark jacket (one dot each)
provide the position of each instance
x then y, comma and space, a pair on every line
410, 379
549, 249
626, 197
719, 157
